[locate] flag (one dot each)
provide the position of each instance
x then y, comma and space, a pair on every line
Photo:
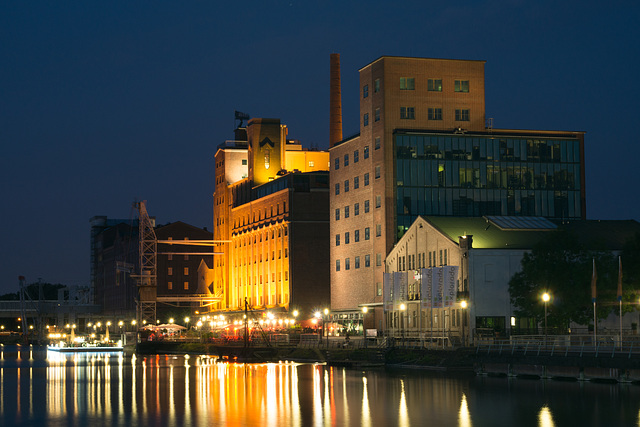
619, 279
594, 277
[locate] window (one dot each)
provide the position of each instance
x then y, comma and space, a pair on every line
366, 206
366, 179
346, 238
244, 162
347, 265
346, 186
337, 163
356, 156
408, 113
356, 209
376, 85
462, 115
407, 83
376, 116
186, 286
170, 271
366, 233
337, 240
337, 188
378, 201
346, 212
346, 160
186, 271
367, 261
378, 230
461, 86
434, 85
337, 214
366, 151
365, 91
311, 164
365, 119
357, 263
377, 143
356, 236
379, 290
169, 285
337, 265
378, 260
377, 171
435, 114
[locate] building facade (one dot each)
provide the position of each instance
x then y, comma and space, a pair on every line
424, 149
272, 223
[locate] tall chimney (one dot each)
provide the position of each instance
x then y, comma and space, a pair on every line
335, 102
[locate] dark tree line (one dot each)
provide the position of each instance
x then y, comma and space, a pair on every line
50, 292
562, 266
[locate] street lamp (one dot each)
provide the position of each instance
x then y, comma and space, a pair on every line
545, 298
463, 305
364, 329
402, 309
324, 319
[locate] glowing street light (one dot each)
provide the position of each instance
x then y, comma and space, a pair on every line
463, 305
545, 298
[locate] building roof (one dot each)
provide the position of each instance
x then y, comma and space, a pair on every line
595, 234
420, 59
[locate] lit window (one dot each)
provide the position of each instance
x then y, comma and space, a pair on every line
169, 285
186, 286
366, 151
170, 271
408, 113
365, 119
311, 164
462, 115
461, 86
434, 85
186, 271
435, 114
365, 91
376, 116
379, 288
376, 86
407, 83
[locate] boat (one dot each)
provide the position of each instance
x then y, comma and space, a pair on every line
87, 349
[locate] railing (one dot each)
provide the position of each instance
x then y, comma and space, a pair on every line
562, 346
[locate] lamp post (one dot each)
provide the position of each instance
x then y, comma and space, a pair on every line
364, 330
463, 305
545, 298
318, 316
402, 310
324, 320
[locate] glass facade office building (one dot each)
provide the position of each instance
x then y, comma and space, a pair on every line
486, 174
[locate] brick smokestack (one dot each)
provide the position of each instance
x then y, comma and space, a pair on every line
335, 102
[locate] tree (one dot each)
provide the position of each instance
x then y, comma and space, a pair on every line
563, 267
50, 292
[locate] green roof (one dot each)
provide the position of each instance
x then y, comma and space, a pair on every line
595, 234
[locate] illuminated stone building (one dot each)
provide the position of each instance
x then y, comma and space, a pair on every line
271, 207
425, 147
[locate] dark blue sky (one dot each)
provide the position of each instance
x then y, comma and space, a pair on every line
103, 103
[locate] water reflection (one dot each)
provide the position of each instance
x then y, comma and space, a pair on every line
105, 389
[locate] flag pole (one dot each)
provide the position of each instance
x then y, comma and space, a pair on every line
620, 295
594, 278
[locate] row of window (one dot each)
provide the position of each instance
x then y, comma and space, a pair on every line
356, 235
273, 278
356, 157
257, 238
409, 113
409, 83
409, 262
356, 183
356, 208
170, 271
258, 258
260, 214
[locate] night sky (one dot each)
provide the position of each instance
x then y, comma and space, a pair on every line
105, 103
